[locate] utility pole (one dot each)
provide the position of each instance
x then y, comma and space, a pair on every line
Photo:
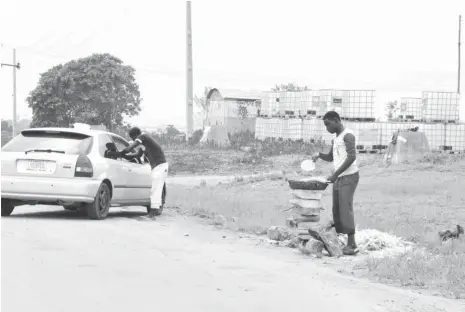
460, 43
189, 73
15, 66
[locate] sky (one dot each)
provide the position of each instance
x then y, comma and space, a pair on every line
398, 48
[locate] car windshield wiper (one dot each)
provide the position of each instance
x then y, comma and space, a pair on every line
44, 151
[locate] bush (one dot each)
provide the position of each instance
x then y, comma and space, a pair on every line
196, 137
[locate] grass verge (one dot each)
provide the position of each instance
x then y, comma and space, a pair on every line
411, 200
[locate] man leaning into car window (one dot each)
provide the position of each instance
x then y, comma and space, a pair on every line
113, 153
159, 166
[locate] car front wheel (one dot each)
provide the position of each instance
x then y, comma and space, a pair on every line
7, 207
99, 209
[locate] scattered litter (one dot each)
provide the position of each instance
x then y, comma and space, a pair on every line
452, 233
370, 240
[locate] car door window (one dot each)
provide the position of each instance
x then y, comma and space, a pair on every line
121, 145
102, 143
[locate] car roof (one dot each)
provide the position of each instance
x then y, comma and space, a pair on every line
89, 132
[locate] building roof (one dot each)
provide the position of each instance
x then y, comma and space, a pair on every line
235, 94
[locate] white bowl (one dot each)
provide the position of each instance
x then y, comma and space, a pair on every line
307, 165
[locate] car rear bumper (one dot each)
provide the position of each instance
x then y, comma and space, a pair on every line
49, 189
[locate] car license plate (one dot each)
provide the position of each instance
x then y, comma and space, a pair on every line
37, 165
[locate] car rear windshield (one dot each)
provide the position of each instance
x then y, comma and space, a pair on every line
67, 142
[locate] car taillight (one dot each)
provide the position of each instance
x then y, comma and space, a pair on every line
83, 167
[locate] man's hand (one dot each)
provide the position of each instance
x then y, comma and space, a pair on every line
332, 178
315, 156
131, 147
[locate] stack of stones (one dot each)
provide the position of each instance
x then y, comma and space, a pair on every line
306, 207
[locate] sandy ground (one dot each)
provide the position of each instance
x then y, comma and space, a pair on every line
54, 260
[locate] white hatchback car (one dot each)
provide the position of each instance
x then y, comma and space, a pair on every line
69, 167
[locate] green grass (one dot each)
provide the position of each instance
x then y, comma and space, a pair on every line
246, 207
413, 200
439, 268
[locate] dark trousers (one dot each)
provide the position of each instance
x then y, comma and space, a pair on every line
343, 203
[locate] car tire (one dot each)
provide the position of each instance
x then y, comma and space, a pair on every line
98, 210
7, 207
159, 211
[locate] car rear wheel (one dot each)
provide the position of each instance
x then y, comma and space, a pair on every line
7, 207
159, 211
99, 209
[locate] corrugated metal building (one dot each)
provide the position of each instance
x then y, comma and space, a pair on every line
236, 110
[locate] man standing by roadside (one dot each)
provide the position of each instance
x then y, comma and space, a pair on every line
345, 178
159, 166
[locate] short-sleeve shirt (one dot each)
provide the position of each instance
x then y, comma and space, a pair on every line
153, 150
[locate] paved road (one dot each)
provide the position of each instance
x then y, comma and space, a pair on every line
54, 260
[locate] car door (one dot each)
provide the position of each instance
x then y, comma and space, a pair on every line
140, 181
115, 171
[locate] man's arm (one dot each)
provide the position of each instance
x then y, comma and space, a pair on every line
349, 141
113, 154
327, 157
133, 145
135, 154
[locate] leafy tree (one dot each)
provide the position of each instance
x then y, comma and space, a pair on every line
6, 126
196, 137
288, 87
7, 132
6, 137
22, 124
97, 89
123, 131
172, 131
203, 106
